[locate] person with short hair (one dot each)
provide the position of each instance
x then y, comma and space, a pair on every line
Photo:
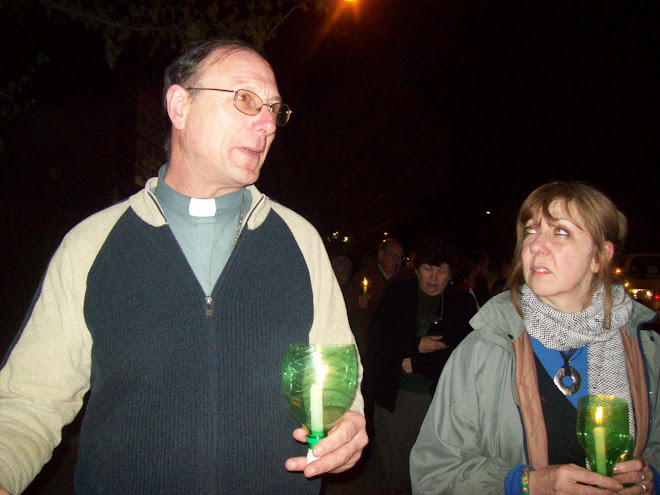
360, 305
503, 419
414, 330
175, 309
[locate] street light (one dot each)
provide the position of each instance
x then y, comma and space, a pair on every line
293, 9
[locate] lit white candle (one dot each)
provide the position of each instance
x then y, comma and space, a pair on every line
365, 285
316, 401
316, 398
599, 444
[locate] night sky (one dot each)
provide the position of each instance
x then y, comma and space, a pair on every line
409, 117
434, 112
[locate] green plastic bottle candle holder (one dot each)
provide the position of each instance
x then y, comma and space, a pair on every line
319, 384
603, 431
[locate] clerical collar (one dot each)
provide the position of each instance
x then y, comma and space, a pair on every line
193, 207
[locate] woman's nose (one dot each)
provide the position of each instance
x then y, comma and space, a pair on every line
539, 245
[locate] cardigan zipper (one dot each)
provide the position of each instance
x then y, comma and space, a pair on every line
208, 300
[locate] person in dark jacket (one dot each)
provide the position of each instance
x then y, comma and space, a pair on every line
414, 330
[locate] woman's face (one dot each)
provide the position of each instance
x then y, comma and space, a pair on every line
558, 259
433, 279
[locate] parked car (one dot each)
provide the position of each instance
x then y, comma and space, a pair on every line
641, 275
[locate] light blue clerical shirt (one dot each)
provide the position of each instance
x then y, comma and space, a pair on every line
204, 228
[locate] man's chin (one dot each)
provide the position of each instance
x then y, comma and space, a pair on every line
247, 175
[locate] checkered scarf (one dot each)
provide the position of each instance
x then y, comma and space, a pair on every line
564, 331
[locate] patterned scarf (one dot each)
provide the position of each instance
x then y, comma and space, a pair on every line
561, 331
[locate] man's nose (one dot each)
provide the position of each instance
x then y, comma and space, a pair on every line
265, 121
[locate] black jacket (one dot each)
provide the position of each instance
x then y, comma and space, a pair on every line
394, 337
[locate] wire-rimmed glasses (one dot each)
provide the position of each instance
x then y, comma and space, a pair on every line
250, 103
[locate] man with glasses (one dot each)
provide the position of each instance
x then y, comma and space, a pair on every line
175, 307
379, 275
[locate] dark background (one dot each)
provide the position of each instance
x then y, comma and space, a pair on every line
409, 117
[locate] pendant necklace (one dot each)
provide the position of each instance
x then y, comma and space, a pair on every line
567, 370
438, 319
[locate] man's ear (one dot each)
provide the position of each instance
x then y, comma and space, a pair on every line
177, 103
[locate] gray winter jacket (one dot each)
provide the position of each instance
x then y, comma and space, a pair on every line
486, 415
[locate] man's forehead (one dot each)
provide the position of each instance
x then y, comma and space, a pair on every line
228, 62
240, 69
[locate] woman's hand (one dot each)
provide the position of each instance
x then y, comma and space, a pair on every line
406, 366
431, 343
636, 472
571, 479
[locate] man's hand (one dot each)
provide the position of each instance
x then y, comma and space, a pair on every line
636, 472
431, 343
337, 452
571, 479
406, 366
363, 301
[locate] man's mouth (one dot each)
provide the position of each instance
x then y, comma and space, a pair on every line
253, 151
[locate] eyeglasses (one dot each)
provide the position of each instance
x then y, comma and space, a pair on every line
249, 103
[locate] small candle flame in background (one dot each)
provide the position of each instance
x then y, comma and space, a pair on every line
599, 416
365, 285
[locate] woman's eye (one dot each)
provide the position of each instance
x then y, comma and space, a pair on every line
560, 231
530, 230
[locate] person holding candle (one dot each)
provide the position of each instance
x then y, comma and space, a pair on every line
175, 308
415, 328
503, 419
368, 286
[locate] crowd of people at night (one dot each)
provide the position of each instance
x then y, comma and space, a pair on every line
168, 315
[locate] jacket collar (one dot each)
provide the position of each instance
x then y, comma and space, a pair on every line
145, 205
500, 323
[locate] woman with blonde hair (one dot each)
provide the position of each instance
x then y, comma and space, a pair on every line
503, 418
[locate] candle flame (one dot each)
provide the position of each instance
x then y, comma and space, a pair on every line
365, 282
320, 374
599, 415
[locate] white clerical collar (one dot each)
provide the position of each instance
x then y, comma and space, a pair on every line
201, 207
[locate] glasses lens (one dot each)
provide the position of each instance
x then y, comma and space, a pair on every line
282, 113
247, 102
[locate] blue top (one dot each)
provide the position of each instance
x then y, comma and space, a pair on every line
552, 361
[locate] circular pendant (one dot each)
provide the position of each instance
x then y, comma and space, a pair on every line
559, 380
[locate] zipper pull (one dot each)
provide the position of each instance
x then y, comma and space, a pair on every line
208, 301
